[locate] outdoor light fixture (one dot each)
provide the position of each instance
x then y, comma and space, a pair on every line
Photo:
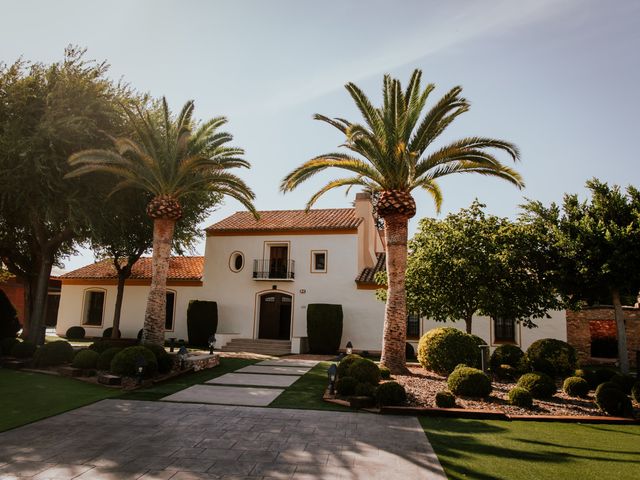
172, 344
349, 348
212, 344
332, 372
182, 355
141, 362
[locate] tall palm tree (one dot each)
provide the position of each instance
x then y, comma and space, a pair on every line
171, 158
390, 157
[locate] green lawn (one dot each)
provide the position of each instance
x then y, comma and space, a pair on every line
27, 397
534, 450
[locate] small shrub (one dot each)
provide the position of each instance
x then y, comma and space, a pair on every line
104, 358
346, 386
520, 397
576, 387
75, 333
506, 355
345, 363
385, 373
364, 389
202, 322
324, 327
125, 362
409, 351
445, 399
54, 353
390, 393
607, 386
24, 349
469, 382
102, 345
85, 359
108, 331
624, 381
595, 375
165, 361
365, 371
506, 372
441, 349
539, 384
635, 392
7, 344
9, 324
553, 357
613, 401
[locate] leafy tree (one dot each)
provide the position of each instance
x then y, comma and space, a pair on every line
596, 245
392, 154
47, 112
174, 158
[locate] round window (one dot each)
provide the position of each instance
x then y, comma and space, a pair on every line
236, 262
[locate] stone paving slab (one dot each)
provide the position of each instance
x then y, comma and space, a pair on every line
274, 370
260, 397
188, 441
288, 363
254, 379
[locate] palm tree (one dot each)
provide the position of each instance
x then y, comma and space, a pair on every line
171, 158
390, 157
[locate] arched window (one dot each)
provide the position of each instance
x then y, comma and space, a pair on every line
93, 307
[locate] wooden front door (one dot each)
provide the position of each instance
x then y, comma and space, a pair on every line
275, 316
278, 261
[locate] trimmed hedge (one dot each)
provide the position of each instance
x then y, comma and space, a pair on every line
624, 381
125, 362
390, 393
24, 349
324, 327
54, 353
7, 344
441, 349
202, 322
469, 382
520, 397
553, 357
85, 359
345, 364
364, 371
165, 361
385, 373
613, 401
445, 399
576, 387
346, 386
108, 331
104, 358
9, 324
506, 355
539, 384
75, 333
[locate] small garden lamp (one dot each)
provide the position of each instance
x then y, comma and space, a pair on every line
141, 363
212, 344
332, 373
182, 355
349, 348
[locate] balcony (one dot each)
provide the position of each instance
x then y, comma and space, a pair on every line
274, 269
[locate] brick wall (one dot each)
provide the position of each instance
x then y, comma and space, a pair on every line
598, 322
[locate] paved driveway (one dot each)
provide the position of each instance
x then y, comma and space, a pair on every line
117, 439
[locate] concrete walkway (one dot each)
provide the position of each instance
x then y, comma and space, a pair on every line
122, 440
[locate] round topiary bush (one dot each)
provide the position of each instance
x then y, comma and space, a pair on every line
520, 397
364, 371
441, 349
104, 358
385, 373
345, 363
108, 331
165, 361
469, 382
7, 344
539, 384
553, 357
445, 399
624, 381
126, 362
606, 386
24, 349
506, 355
346, 386
75, 333
364, 389
576, 387
85, 359
390, 393
595, 375
506, 372
635, 392
613, 401
54, 353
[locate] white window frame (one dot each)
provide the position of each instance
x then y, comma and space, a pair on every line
313, 261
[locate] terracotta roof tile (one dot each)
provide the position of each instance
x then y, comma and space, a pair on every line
368, 275
180, 268
278, 220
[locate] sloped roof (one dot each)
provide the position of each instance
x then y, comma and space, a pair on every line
288, 220
180, 268
368, 275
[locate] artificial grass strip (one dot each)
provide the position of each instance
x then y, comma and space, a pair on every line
491, 449
27, 396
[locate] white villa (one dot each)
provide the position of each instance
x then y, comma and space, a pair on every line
263, 274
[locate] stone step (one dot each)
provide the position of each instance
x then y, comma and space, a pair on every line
258, 345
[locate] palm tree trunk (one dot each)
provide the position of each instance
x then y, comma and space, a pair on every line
623, 355
154, 318
395, 315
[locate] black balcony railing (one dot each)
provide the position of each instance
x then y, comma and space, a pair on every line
274, 269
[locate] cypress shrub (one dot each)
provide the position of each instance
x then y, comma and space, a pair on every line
75, 333
441, 349
553, 357
24, 349
390, 393
520, 397
104, 359
364, 371
54, 353
202, 322
445, 399
469, 382
506, 355
613, 401
539, 384
345, 363
125, 362
575, 387
9, 324
324, 327
85, 359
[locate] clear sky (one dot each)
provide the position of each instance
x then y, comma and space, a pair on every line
560, 78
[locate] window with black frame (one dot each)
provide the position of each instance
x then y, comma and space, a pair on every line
413, 326
504, 330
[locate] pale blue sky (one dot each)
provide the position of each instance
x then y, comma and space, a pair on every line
558, 78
